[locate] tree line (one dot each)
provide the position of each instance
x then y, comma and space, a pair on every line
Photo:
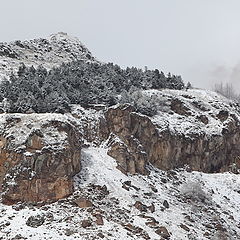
38, 90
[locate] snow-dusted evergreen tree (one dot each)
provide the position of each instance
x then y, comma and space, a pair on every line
143, 103
81, 83
189, 86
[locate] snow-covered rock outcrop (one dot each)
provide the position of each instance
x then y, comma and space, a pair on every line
48, 52
39, 155
193, 129
196, 128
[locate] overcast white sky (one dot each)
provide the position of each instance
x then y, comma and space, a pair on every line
198, 39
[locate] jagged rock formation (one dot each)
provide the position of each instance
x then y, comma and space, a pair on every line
194, 141
124, 147
39, 155
48, 52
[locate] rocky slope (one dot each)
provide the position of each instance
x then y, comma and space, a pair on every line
108, 204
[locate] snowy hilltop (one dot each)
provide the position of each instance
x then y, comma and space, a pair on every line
47, 52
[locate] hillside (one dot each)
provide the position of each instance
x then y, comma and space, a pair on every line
160, 162
201, 206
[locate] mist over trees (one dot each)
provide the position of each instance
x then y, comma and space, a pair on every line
38, 90
226, 90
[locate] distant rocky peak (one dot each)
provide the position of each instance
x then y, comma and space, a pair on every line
70, 44
49, 52
62, 36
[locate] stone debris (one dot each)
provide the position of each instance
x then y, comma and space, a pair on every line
35, 221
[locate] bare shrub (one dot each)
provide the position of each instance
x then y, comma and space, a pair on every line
193, 191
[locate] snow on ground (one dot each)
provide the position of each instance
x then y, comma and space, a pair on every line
18, 127
201, 206
197, 103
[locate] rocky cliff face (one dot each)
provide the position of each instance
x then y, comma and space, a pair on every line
203, 134
39, 155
